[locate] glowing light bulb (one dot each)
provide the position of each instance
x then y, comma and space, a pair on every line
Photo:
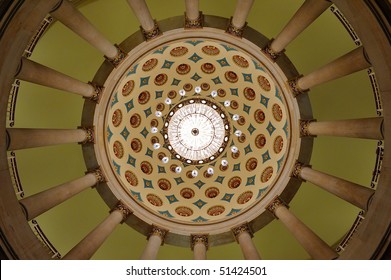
210, 171
178, 169
158, 114
197, 89
194, 173
165, 159
154, 129
156, 146
182, 92
224, 162
235, 117
213, 93
238, 133
234, 149
227, 103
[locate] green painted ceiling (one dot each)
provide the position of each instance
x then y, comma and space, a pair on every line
41, 168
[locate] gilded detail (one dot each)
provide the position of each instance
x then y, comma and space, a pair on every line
241, 229
199, 238
151, 34
296, 90
125, 211
273, 55
304, 125
235, 31
277, 202
158, 232
194, 23
121, 55
97, 92
98, 173
297, 170
90, 135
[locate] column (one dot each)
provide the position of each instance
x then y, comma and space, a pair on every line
87, 247
155, 240
238, 21
24, 138
34, 72
315, 246
355, 194
304, 17
243, 235
68, 15
193, 17
149, 27
41, 202
369, 128
199, 245
347, 64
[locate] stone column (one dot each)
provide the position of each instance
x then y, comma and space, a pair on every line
355, 194
369, 128
155, 240
242, 10
68, 15
349, 63
199, 245
149, 27
315, 246
33, 72
193, 16
304, 17
87, 247
24, 138
243, 235
41, 202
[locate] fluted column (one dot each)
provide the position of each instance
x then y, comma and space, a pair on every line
238, 20
87, 247
369, 128
243, 235
193, 16
355, 194
41, 202
199, 245
349, 63
149, 27
316, 247
155, 240
68, 15
34, 72
24, 138
304, 17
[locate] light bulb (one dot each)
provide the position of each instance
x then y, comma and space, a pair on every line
224, 162
234, 149
182, 92
210, 171
165, 159
213, 93
194, 173
238, 133
235, 117
197, 89
154, 129
158, 114
178, 169
156, 146
227, 103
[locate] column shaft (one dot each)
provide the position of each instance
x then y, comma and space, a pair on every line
31, 71
370, 128
140, 9
305, 15
192, 9
152, 248
199, 251
242, 10
248, 248
68, 15
24, 138
315, 246
347, 64
41, 202
87, 247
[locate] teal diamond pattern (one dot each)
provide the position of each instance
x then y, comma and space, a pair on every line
258, 66
158, 94
251, 129
161, 50
262, 192
199, 184
228, 48
216, 80
161, 169
264, 101
144, 132
200, 220
167, 64
194, 42
195, 58
196, 77
117, 168
147, 184
227, 197
223, 62
234, 91
148, 112
250, 181
114, 100
166, 214
132, 70
144, 81
175, 82
125, 133
220, 179
233, 212
136, 195
247, 149
129, 105
270, 128
199, 203
149, 153
265, 156
171, 199
179, 180
236, 167
247, 78
131, 161
246, 109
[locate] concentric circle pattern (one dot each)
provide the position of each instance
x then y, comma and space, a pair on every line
152, 118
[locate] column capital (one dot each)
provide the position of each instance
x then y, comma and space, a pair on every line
235, 31
157, 231
270, 53
296, 90
304, 124
117, 60
125, 211
90, 135
297, 168
241, 229
277, 202
98, 173
151, 34
199, 238
97, 92
194, 23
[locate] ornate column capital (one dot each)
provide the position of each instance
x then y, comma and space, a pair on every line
296, 90
151, 34
97, 92
270, 53
90, 135
277, 202
241, 229
125, 211
121, 55
235, 31
98, 173
304, 124
297, 168
199, 238
157, 231
194, 23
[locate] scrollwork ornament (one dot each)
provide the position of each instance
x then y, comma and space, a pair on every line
157, 231
199, 238
241, 229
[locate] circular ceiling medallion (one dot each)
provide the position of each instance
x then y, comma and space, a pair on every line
196, 131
